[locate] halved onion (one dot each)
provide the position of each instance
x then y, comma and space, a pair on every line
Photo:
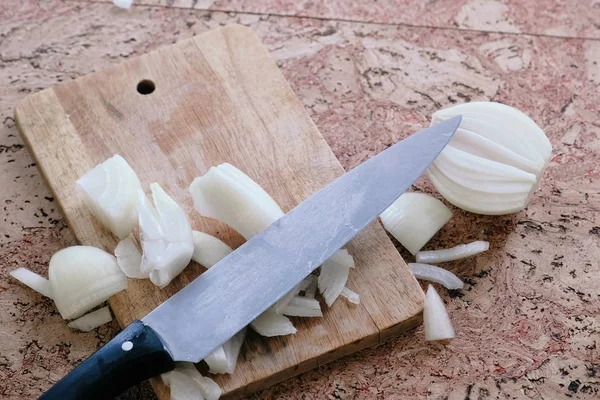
436, 274
414, 218
436, 321
110, 192
33, 281
129, 259
494, 161
92, 320
166, 237
454, 253
208, 250
83, 277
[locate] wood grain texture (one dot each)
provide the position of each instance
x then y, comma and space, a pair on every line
219, 98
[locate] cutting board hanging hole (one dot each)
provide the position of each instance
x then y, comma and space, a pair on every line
145, 86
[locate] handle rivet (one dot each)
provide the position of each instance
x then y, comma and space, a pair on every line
126, 346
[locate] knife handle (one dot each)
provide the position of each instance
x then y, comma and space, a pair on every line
134, 355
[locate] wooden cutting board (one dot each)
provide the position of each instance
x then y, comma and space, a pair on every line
173, 114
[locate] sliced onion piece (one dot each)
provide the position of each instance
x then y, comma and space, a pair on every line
129, 259
224, 359
182, 386
271, 324
166, 237
206, 386
282, 303
110, 192
436, 274
303, 307
83, 277
92, 320
208, 250
350, 295
414, 218
495, 160
436, 321
33, 281
334, 275
454, 253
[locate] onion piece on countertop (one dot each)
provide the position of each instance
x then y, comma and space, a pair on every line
495, 160
33, 281
271, 324
110, 192
334, 275
301, 306
83, 277
436, 274
129, 259
350, 295
454, 253
414, 218
436, 321
208, 250
165, 235
92, 320
224, 359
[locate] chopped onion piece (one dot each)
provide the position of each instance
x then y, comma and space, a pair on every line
182, 386
92, 320
224, 359
206, 386
350, 295
454, 253
123, 3
83, 277
166, 237
436, 274
33, 281
436, 321
494, 161
334, 275
303, 307
129, 259
208, 250
110, 192
414, 218
270, 324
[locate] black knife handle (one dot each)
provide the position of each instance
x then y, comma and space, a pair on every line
134, 355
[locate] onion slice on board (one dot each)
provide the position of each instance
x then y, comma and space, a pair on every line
414, 218
83, 277
208, 250
271, 324
165, 235
33, 281
129, 259
92, 320
454, 253
334, 275
301, 306
350, 295
436, 274
224, 359
436, 321
110, 192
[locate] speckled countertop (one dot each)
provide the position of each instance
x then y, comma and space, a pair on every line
369, 72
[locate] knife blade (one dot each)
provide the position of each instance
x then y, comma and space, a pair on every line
227, 297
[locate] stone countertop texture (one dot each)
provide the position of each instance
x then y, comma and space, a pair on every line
369, 72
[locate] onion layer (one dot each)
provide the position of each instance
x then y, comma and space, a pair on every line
436, 321
92, 320
334, 275
129, 259
224, 359
414, 218
33, 280
436, 274
208, 250
271, 324
454, 253
303, 307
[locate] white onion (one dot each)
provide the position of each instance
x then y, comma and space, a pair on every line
271, 324
206, 386
436, 274
110, 192
92, 320
83, 277
224, 359
33, 281
208, 250
454, 253
129, 259
414, 218
494, 161
350, 295
123, 3
182, 386
334, 275
282, 303
303, 307
166, 237
436, 321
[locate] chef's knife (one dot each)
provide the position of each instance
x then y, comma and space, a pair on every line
227, 297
